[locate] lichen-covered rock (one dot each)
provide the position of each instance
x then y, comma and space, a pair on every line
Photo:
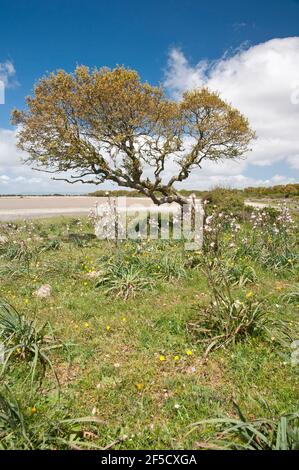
43, 292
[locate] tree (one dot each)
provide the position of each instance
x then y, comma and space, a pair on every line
106, 125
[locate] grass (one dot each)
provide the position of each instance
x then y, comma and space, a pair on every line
259, 434
134, 365
123, 281
20, 429
24, 341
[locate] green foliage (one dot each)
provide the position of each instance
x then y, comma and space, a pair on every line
258, 434
240, 274
271, 240
51, 245
20, 429
288, 191
19, 251
225, 201
139, 363
169, 268
137, 267
228, 319
24, 341
123, 281
278, 191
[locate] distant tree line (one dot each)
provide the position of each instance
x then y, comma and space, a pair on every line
277, 191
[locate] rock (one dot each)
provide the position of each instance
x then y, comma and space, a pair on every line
43, 292
93, 275
3, 239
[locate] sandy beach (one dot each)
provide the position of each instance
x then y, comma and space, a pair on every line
29, 207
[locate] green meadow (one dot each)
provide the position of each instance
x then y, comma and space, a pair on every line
132, 345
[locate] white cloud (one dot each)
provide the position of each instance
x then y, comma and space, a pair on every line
261, 81
8, 73
10, 156
7, 78
17, 178
205, 180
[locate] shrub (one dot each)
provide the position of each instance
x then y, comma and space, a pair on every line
226, 201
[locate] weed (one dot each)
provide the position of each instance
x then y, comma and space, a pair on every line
124, 281
258, 434
21, 430
23, 340
227, 319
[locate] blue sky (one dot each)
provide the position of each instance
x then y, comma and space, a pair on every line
166, 41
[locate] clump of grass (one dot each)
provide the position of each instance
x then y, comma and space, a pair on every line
258, 434
51, 245
227, 319
80, 240
240, 274
12, 426
19, 428
124, 281
24, 340
19, 251
291, 297
12, 270
169, 268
